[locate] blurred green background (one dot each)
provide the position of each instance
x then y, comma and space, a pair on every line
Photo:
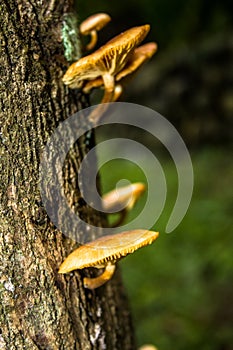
181, 287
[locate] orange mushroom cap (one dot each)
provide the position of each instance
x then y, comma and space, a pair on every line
148, 347
125, 196
107, 249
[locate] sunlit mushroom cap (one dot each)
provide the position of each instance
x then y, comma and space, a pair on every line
148, 347
140, 55
123, 197
94, 22
107, 249
111, 57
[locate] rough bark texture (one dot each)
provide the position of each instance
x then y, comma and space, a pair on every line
41, 309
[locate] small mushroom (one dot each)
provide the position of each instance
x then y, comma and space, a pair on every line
122, 199
106, 62
104, 252
148, 347
140, 55
93, 24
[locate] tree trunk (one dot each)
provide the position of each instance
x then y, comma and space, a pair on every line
41, 309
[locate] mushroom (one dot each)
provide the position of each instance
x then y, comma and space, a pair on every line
148, 347
122, 199
106, 62
93, 24
140, 55
104, 252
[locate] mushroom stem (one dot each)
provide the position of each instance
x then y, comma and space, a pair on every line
109, 84
121, 219
92, 283
109, 95
93, 41
99, 112
117, 92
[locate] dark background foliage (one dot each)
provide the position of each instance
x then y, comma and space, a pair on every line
181, 287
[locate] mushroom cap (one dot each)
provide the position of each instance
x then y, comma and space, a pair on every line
107, 249
109, 58
125, 197
140, 55
148, 347
147, 49
94, 22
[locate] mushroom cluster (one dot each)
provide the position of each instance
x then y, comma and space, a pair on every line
111, 63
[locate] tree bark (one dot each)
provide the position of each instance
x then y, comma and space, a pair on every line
41, 309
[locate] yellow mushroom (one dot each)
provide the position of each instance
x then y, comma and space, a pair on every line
93, 24
104, 252
124, 197
106, 62
140, 55
148, 347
